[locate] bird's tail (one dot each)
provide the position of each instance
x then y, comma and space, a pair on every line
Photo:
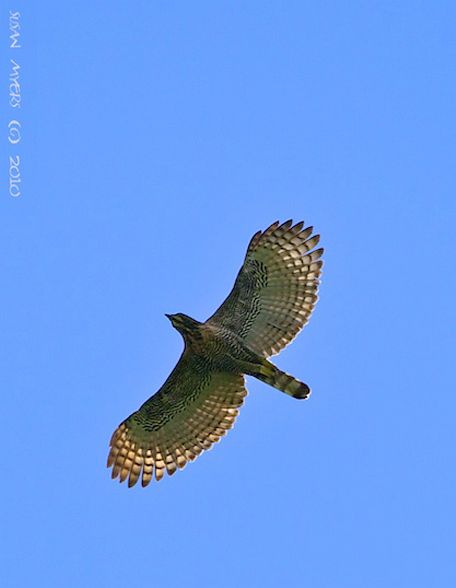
271, 375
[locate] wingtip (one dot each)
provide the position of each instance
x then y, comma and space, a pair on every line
132, 481
284, 226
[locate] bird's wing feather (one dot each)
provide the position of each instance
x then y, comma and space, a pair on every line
276, 289
192, 410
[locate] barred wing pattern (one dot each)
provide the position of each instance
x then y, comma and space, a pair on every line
276, 289
194, 409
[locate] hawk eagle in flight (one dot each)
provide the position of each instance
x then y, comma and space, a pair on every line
272, 299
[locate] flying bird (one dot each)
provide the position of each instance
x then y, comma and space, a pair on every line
272, 298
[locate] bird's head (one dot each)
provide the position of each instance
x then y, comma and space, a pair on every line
184, 324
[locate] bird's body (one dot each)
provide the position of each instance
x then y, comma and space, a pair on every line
215, 343
221, 348
273, 297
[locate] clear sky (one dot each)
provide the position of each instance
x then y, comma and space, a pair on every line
157, 138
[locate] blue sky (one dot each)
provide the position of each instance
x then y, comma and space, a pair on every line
157, 138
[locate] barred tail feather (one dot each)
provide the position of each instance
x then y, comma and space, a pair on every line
282, 381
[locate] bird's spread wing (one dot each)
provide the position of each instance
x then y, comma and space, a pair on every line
276, 288
194, 408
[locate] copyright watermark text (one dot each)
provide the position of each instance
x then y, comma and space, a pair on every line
15, 97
